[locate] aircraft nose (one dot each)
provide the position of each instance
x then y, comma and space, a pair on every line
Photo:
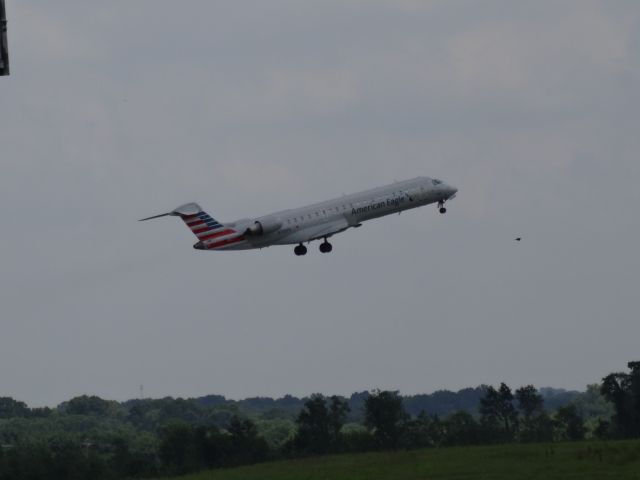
451, 191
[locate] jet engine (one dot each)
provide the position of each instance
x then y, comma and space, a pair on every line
263, 226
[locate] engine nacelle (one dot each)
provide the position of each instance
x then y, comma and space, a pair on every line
263, 226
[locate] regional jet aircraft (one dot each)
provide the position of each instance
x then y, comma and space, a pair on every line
319, 221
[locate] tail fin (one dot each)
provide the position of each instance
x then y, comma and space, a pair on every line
203, 225
212, 235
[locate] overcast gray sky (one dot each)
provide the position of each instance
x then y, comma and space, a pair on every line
123, 109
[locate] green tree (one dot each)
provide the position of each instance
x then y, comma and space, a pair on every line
570, 425
356, 438
537, 428
418, 432
499, 417
461, 429
10, 408
91, 405
592, 404
247, 446
530, 402
634, 392
385, 416
314, 430
276, 431
211, 447
319, 425
127, 463
535, 425
178, 450
338, 410
602, 430
623, 390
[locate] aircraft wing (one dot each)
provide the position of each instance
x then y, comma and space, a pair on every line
329, 229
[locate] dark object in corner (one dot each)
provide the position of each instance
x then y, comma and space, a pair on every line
4, 47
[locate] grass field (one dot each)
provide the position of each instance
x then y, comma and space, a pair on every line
583, 460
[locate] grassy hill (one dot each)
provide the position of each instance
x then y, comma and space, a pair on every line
582, 460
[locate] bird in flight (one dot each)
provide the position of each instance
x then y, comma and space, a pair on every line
518, 239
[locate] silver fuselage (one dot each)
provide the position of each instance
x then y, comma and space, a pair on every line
324, 219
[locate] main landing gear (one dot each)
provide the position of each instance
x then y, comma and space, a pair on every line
441, 208
326, 247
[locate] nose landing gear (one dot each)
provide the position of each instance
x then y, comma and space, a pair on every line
300, 250
441, 208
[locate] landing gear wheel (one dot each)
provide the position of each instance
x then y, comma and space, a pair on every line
441, 207
443, 210
326, 247
300, 250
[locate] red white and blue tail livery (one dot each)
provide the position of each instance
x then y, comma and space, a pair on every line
212, 235
318, 221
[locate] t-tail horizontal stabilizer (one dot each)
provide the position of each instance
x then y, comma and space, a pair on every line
156, 216
186, 210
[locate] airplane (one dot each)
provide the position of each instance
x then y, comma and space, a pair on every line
318, 221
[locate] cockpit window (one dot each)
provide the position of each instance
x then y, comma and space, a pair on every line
435, 181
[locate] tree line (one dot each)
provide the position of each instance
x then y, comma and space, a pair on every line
89, 437
503, 417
